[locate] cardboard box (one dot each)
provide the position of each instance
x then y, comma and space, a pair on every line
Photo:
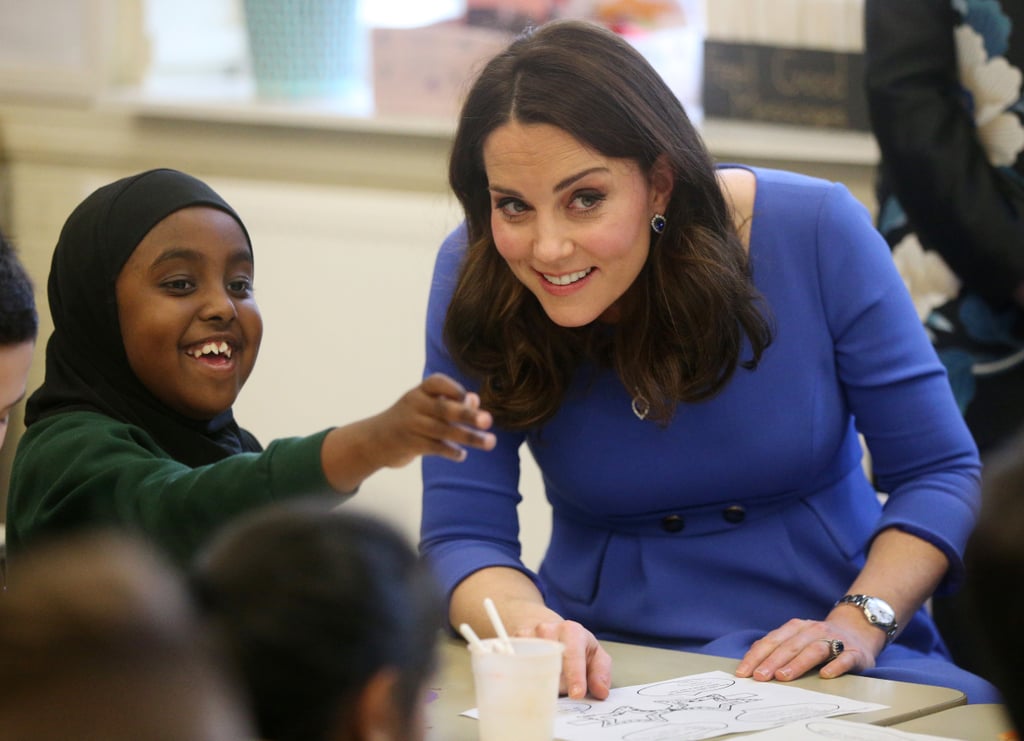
426, 71
777, 84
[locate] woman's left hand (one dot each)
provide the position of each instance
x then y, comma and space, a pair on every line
799, 646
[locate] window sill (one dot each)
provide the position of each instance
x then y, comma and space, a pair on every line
227, 131
236, 103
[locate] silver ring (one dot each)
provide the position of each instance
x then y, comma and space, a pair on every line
835, 647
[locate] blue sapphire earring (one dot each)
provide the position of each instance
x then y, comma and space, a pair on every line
658, 223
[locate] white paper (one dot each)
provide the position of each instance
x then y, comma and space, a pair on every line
697, 706
833, 728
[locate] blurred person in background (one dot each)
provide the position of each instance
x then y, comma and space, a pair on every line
943, 87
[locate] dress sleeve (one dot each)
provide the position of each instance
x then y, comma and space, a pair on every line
83, 469
958, 203
469, 520
923, 455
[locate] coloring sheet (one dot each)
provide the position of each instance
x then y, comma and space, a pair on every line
834, 729
694, 707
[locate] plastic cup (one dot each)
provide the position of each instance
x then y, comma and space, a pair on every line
516, 694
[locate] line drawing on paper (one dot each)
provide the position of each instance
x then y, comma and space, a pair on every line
701, 706
572, 707
630, 714
686, 686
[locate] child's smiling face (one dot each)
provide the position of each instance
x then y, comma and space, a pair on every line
189, 322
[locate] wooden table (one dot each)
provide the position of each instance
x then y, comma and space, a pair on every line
641, 665
978, 722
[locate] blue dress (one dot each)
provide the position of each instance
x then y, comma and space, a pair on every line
752, 508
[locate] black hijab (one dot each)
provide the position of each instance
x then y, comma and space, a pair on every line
86, 364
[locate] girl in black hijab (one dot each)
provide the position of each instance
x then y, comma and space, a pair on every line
86, 365
155, 331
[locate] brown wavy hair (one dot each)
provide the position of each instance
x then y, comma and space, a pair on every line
683, 321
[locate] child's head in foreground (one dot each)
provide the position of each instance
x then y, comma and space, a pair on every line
19, 324
99, 639
331, 618
995, 571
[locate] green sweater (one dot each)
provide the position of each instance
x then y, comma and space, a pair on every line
81, 469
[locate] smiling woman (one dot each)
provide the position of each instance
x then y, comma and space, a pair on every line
689, 351
156, 330
588, 199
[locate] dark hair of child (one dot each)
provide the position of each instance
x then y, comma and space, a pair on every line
19, 321
312, 604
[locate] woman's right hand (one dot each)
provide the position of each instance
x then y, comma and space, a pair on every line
586, 667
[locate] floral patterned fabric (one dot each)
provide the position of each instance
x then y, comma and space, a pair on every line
944, 91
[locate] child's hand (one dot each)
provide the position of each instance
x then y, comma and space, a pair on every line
438, 417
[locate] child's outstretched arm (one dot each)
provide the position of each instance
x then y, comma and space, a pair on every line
438, 417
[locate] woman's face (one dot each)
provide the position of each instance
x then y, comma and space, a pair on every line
189, 322
572, 224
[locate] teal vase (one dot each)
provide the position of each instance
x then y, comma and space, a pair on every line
304, 48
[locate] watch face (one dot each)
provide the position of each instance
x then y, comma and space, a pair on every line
880, 612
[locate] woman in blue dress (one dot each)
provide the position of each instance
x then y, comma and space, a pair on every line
690, 352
